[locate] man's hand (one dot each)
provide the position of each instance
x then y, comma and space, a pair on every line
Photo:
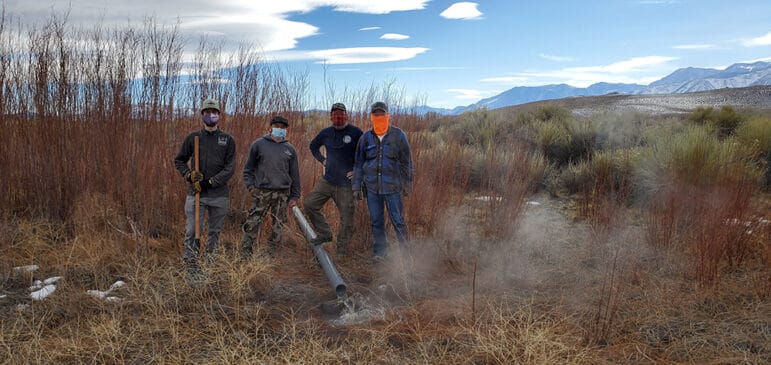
358, 195
349, 175
292, 203
194, 176
205, 184
197, 187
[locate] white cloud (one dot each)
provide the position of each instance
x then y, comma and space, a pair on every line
695, 46
365, 54
429, 68
263, 23
471, 94
394, 36
369, 28
463, 10
764, 40
506, 79
640, 70
764, 59
555, 58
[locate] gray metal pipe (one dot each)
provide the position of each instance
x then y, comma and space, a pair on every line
326, 263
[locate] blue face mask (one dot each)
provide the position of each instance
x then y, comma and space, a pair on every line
278, 132
211, 119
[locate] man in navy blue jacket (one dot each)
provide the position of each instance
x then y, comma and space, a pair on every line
383, 170
339, 141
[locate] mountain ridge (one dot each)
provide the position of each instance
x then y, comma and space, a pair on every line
682, 80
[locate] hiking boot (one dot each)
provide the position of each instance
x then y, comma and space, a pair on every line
320, 240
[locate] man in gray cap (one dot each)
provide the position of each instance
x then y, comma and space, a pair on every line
272, 177
339, 141
383, 171
217, 155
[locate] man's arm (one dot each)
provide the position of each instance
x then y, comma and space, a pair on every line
358, 162
315, 147
251, 165
182, 158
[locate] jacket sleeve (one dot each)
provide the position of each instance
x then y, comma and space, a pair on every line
405, 162
358, 162
294, 173
183, 157
222, 177
315, 146
251, 166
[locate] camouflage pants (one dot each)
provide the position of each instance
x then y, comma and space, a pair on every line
264, 201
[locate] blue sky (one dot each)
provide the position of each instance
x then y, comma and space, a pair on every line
455, 53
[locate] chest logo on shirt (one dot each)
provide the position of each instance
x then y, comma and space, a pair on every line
222, 141
288, 153
347, 139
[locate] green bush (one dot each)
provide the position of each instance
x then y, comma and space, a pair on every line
725, 121
696, 157
481, 129
754, 137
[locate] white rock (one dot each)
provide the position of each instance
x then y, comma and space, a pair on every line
27, 268
52, 280
533, 203
116, 285
96, 293
3, 296
113, 299
43, 293
489, 198
37, 284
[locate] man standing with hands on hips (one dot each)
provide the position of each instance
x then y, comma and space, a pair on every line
383, 171
339, 141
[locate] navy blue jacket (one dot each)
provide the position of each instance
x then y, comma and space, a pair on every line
341, 149
383, 167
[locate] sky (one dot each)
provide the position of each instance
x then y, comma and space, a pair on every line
454, 53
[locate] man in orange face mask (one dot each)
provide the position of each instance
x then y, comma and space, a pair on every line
383, 171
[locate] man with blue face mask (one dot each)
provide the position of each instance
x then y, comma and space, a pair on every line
217, 155
272, 177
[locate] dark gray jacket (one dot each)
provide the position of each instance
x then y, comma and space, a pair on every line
217, 156
274, 166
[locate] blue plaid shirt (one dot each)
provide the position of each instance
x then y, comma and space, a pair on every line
383, 167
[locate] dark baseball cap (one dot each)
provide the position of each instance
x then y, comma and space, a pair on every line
338, 106
379, 106
279, 119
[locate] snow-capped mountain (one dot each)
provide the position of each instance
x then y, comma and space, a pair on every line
683, 80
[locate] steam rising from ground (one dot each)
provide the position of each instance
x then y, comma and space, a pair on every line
549, 257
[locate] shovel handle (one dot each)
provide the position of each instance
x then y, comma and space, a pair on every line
197, 194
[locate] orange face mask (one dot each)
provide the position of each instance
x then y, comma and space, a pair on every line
379, 124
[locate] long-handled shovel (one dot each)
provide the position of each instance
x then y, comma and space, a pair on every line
197, 199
